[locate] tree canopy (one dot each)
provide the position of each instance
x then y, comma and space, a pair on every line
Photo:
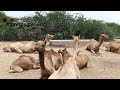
60, 23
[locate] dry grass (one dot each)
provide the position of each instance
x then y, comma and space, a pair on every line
106, 65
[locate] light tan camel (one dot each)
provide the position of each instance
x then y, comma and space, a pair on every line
20, 47
24, 63
76, 41
68, 70
25, 47
48, 38
82, 59
94, 46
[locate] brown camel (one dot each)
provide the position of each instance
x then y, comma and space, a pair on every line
24, 47
68, 70
112, 46
52, 60
40, 47
24, 63
56, 59
94, 46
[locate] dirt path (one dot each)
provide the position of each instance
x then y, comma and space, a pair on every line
106, 65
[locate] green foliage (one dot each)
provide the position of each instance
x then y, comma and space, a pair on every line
59, 23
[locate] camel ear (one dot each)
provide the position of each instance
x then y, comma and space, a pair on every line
65, 48
107, 36
72, 36
79, 36
45, 42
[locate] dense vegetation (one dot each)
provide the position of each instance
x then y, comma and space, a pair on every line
60, 23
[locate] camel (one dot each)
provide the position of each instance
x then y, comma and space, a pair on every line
40, 48
24, 63
82, 59
20, 47
68, 70
76, 40
94, 46
48, 38
113, 46
52, 60
56, 59
24, 47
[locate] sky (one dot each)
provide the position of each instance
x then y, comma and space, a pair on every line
107, 16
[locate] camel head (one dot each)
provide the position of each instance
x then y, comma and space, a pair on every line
62, 51
65, 54
51, 50
49, 36
40, 46
76, 38
104, 36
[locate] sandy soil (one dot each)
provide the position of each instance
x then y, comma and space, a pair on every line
106, 65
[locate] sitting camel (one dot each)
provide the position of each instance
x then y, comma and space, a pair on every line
82, 59
52, 60
24, 63
68, 70
40, 48
24, 47
56, 59
94, 46
113, 47
20, 47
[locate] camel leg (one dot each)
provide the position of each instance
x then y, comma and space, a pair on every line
17, 69
36, 67
118, 51
18, 50
92, 51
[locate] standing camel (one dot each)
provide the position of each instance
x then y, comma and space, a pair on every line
94, 46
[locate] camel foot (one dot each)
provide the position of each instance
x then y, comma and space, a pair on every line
45, 75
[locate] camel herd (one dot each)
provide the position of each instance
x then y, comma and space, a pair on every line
56, 64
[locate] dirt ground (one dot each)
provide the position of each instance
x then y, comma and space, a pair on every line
106, 65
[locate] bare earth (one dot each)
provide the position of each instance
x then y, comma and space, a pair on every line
106, 65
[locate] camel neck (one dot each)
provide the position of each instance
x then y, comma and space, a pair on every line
75, 48
46, 40
100, 42
41, 60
